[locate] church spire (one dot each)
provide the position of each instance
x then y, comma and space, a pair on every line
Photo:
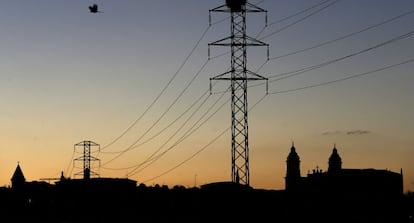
335, 161
18, 179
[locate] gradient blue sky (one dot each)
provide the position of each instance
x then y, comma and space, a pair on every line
67, 75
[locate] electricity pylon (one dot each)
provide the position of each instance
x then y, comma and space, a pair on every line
86, 158
239, 75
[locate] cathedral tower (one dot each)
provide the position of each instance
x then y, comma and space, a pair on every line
335, 162
293, 177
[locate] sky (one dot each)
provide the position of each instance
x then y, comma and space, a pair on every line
135, 79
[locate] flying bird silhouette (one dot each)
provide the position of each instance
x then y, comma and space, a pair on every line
94, 8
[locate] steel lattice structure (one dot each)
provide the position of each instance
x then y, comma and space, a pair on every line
238, 75
86, 158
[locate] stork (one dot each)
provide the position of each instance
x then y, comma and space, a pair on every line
94, 8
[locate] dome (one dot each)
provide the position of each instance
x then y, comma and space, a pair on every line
335, 161
293, 156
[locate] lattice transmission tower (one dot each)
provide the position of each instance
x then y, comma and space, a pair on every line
86, 158
239, 75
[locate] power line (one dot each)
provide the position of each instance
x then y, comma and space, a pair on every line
132, 145
159, 119
279, 92
299, 20
292, 15
69, 165
167, 85
293, 73
199, 107
162, 91
167, 126
296, 89
314, 68
345, 36
185, 134
409, 34
267, 36
201, 149
189, 158
343, 79
178, 130
188, 133
137, 165
287, 26
339, 38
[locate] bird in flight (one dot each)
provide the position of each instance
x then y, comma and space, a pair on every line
94, 8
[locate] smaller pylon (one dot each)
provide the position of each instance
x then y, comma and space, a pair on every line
87, 158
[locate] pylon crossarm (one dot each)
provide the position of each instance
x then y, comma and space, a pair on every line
255, 76
220, 42
94, 159
255, 42
251, 42
253, 8
222, 8
87, 143
220, 76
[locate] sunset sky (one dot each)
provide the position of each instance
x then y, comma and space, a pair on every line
135, 80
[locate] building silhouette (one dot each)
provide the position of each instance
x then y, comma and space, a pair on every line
369, 181
362, 195
336, 195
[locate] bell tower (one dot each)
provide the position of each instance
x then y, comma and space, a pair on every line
293, 177
335, 162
